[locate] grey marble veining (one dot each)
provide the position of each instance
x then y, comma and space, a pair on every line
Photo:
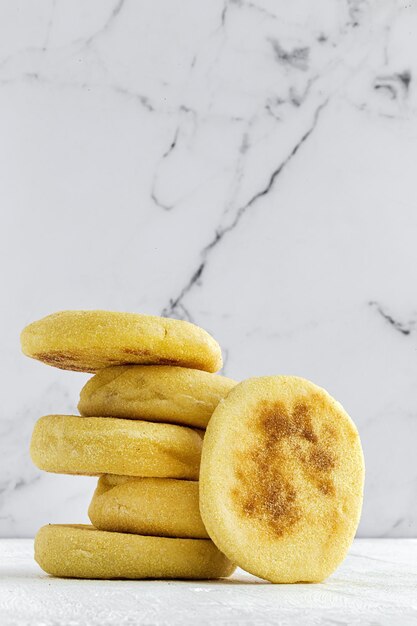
247, 165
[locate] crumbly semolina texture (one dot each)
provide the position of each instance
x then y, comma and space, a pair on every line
78, 551
160, 393
281, 479
165, 507
69, 444
87, 341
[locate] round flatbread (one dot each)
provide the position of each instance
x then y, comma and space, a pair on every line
165, 507
78, 551
87, 341
176, 395
281, 479
69, 444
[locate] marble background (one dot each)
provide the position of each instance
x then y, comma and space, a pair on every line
248, 165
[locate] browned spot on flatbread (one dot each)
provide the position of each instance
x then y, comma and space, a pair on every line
321, 459
264, 489
62, 360
326, 487
76, 362
137, 351
153, 358
166, 361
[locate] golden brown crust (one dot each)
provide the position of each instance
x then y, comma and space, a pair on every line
69, 444
282, 467
159, 393
87, 341
282, 431
78, 551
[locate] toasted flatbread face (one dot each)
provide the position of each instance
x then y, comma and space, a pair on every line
281, 479
69, 444
87, 341
159, 393
164, 507
81, 551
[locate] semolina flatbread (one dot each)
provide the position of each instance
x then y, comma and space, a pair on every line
69, 444
87, 341
165, 507
159, 393
281, 479
78, 551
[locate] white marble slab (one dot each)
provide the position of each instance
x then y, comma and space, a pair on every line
375, 586
248, 165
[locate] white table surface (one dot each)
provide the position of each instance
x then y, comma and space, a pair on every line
376, 585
